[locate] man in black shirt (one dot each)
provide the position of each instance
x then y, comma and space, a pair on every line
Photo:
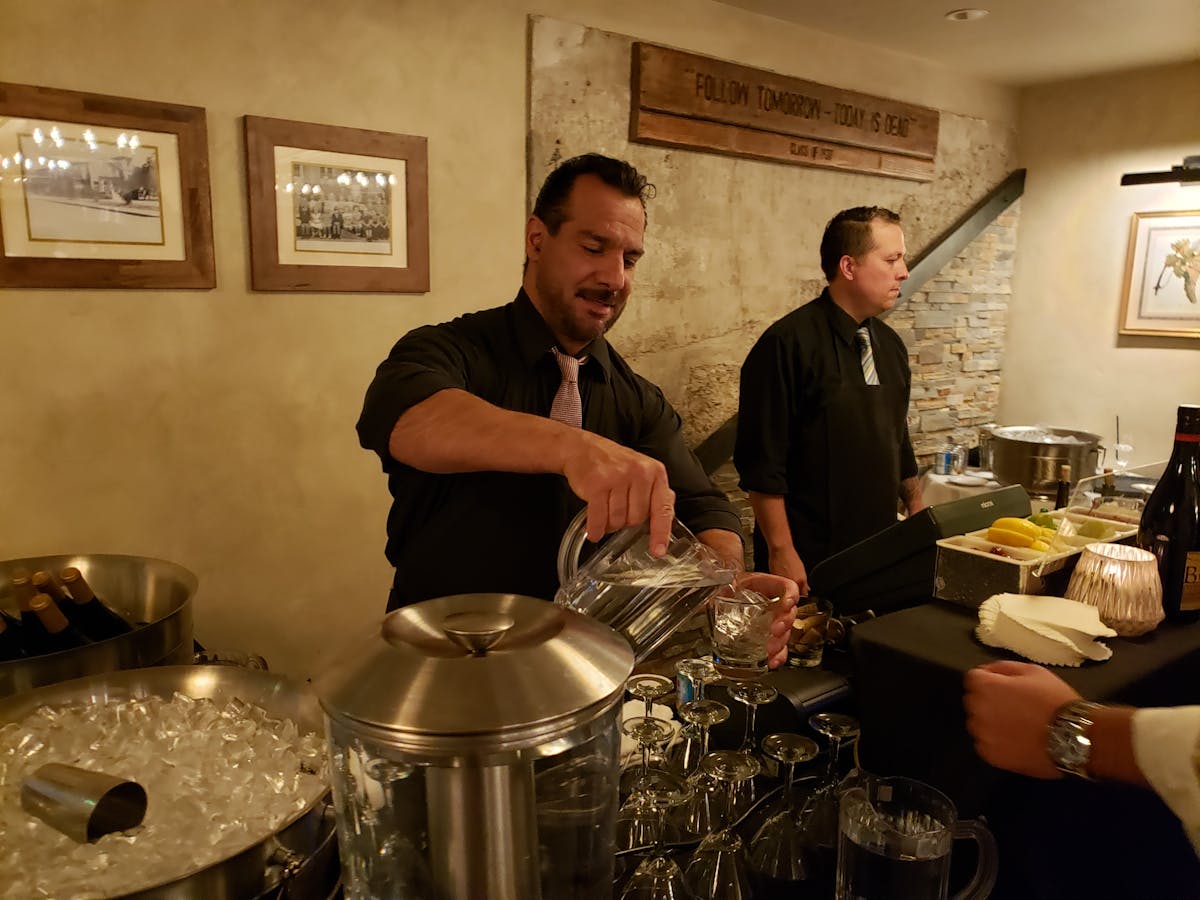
484, 482
822, 440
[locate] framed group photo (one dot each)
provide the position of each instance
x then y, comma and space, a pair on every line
102, 192
336, 209
1162, 275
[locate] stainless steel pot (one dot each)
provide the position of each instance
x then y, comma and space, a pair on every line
474, 750
1031, 456
145, 590
300, 854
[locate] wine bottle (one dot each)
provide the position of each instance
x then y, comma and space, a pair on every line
1170, 526
46, 583
11, 645
1062, 494
89, 613
52, 632
1108, 490
24, 591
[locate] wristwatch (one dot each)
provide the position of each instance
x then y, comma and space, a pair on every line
1068, 738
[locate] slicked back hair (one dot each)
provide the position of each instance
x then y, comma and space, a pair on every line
849, 234
551, 205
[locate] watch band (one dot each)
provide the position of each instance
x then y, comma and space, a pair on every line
1069, 737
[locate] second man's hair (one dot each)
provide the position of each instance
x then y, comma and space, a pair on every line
849, 234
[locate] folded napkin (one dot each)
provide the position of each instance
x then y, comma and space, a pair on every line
1054, 631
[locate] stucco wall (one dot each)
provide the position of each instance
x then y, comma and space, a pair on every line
1066, 364
732, 243
215, 428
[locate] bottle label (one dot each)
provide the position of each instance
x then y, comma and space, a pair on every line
1185, 438
1189, 598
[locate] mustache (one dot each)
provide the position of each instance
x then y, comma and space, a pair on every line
599, 295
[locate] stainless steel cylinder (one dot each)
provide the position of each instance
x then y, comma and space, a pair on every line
483, 831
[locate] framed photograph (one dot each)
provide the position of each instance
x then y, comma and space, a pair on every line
336, 209
102, 192
1162, 275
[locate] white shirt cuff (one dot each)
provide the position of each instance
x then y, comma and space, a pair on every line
1165, 744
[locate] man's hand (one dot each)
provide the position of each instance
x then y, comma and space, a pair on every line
620, 486
1009, 707
786, 562
784, 610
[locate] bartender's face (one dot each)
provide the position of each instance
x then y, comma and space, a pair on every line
580, 278
876, 276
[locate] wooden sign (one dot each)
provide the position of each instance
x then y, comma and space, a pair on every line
684, 100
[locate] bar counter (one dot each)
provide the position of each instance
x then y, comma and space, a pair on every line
1059, 839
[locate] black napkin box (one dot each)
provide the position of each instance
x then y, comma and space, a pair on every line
894, 568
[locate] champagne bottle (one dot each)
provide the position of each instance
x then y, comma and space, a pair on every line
89, 613
52, 632
1170, 526
11, 645
1062, 495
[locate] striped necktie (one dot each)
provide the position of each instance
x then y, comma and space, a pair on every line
568, 405
868, 358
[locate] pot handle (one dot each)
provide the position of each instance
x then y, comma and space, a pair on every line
1103, 451
237, 658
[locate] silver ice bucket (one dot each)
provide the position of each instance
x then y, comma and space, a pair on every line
153, 594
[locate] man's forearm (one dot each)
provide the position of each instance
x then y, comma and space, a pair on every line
910, 495
455, 431
1113, 757
771, 516
727, 545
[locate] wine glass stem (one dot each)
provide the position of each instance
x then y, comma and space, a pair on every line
787, 785
645, 758
835, 747
703, 741
649, 704
748, 740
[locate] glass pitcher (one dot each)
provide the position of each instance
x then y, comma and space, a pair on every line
894, 842
643, 597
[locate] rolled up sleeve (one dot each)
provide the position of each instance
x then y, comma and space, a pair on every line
761, 449
423, 362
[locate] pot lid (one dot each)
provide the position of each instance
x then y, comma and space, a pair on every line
500, 669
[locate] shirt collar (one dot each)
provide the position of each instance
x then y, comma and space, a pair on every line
842, 322
534, 338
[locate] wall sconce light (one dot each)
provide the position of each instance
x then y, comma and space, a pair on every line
1188, 173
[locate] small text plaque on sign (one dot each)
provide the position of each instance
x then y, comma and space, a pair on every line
684, 100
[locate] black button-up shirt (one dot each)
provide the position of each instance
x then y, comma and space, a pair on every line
500, 531
798, 383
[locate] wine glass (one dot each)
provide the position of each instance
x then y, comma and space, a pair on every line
819, 814
754, 694
648, 688
717, 870
781, 852
647, 731
700, 715
658, 877
698, 672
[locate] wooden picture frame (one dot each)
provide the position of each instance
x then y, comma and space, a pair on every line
102, 192
356, 203
1162, 275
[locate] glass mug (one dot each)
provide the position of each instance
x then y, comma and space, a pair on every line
894, 842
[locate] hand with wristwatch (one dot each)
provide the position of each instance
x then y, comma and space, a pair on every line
1025, 719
